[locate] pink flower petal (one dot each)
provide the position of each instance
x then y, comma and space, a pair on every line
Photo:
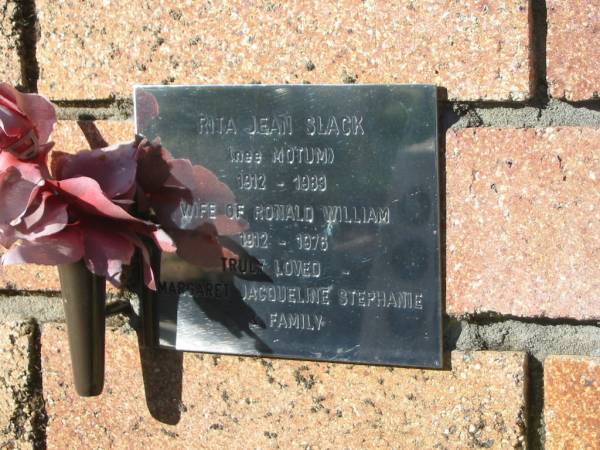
16, 194
87, 195
60, 248
127, 199
164, 241
26, 122
37, 209
8, 98
49, 217
114, 167
12, 126
153, 166
41, 113
147, 266
14, 123
204, 185
105, 252
30, 170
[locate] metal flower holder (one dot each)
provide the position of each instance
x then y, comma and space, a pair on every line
84, 301
86, 310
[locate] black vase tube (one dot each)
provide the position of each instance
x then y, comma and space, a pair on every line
84, 301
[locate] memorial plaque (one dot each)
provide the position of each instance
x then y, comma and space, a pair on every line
338, 189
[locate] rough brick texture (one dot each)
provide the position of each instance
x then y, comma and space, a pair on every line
572, 48
474, 49
16, 401
231, 402
572, 402
29, 277
68, 138
10, 69
523, 222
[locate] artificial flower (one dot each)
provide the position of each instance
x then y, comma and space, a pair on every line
100, 205
173, 189
26, 122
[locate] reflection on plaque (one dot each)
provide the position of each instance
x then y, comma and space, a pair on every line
337, 188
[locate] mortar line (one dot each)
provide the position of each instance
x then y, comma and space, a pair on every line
25, 24
7, 293
538, 37
592, 103
40, 415
536, 432
493, 318
454, 115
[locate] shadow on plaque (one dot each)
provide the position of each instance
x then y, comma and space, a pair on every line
214, 313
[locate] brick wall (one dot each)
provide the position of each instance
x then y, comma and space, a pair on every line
521, 138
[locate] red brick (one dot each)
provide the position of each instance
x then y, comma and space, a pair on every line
572, 402
477, 50
523, 222
16, 402
68, 138
572, 49
231, 402
10, 69
29, 277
